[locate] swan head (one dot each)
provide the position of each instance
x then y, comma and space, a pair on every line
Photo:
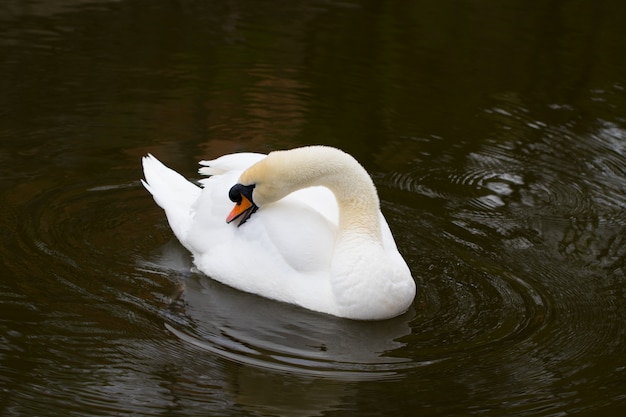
282, 172
245, 206
265, 182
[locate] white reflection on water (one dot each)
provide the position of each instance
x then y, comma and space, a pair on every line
267, 334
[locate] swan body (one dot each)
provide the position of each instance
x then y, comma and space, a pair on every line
317, 240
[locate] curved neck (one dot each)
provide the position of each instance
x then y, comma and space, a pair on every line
358, 210
353, 188
332, 168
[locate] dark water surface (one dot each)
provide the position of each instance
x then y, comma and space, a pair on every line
495, 131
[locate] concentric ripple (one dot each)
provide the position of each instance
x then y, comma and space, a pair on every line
77, 303
530, 257
77, 240
489, 285
546, 172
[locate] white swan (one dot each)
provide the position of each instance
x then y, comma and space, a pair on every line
318, 239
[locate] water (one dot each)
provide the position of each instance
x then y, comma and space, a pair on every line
496, 136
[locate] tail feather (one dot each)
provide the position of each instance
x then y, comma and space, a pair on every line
172, 192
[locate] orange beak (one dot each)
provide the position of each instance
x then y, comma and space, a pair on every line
245, 206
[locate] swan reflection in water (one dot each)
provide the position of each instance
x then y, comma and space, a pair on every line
280, 358
268, 334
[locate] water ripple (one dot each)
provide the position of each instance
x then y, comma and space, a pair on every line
521, 259
460, 309
531, 178
488, 288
